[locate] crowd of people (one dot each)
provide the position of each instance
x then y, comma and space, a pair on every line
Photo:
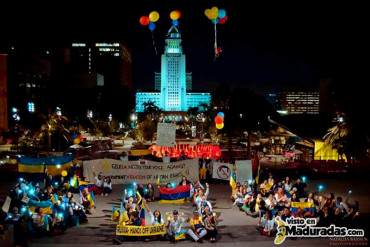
41, 207
273, 198
202, 224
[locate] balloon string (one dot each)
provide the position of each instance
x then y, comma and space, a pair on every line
215, 45
155, 48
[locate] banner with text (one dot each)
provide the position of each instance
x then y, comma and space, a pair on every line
142, 171
221, 171
243, 171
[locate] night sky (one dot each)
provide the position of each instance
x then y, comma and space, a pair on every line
266, 46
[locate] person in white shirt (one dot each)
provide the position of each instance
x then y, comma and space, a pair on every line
107, 186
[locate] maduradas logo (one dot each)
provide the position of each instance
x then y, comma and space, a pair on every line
306, 228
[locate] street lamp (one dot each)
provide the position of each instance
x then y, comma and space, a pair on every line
133, 118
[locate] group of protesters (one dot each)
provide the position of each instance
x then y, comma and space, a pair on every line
135, 211
41, 207
287, 198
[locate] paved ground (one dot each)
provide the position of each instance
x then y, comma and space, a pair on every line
235, 228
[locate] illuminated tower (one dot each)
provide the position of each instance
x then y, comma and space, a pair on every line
173, 73
172, 83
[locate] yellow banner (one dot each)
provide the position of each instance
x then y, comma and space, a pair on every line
301, 204
138, 231
139, 152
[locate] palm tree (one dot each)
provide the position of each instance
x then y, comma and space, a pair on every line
337, 136
55, 125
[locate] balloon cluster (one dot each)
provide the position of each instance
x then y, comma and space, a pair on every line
149, 20
175, 16
219, 120
216, 15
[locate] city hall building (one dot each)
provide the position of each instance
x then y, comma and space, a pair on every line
172, 84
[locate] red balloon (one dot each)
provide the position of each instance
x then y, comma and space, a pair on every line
219, 120
223, 20
144, 20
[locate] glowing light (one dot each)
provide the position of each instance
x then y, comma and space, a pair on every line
23, 209
60, 215
134, 184
58, 166
173, 184
350, 192
320, 187
250, 181
130, 193
20, 191
56, 184
31, 191
304, 179
31, 107
283, 112
21, 180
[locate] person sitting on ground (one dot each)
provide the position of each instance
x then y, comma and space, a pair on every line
107, 186
197, 226
210, 224
175, 226
267, 224
149, 195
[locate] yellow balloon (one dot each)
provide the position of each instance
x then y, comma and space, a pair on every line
175, 15
64, 173
214, 13
219, 126
76, 141
207, 12
154, 16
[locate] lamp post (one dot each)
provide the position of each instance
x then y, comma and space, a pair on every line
133, 118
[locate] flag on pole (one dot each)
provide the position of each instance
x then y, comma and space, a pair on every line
233, 180
258, 174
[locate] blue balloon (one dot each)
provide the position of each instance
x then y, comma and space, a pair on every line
215, 21
175, 23
151, 26
221, 114
221, 13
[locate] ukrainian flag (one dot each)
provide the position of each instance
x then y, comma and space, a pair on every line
233, 180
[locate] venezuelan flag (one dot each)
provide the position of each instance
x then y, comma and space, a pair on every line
174, 195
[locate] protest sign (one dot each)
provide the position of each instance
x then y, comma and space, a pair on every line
142, 171
166, 134
140, 230
221, 171
243, 171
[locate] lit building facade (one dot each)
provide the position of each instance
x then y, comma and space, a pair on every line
174, 83
300, 102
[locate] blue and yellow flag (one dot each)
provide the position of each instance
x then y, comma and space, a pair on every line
233, 180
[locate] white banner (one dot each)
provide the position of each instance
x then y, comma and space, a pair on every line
142, 171
166, 134
243, 171
221, 170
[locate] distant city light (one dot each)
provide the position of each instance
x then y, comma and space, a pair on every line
107, 44
31, 107
90, 114
110, 117
58, 111
78, 45
283, 112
